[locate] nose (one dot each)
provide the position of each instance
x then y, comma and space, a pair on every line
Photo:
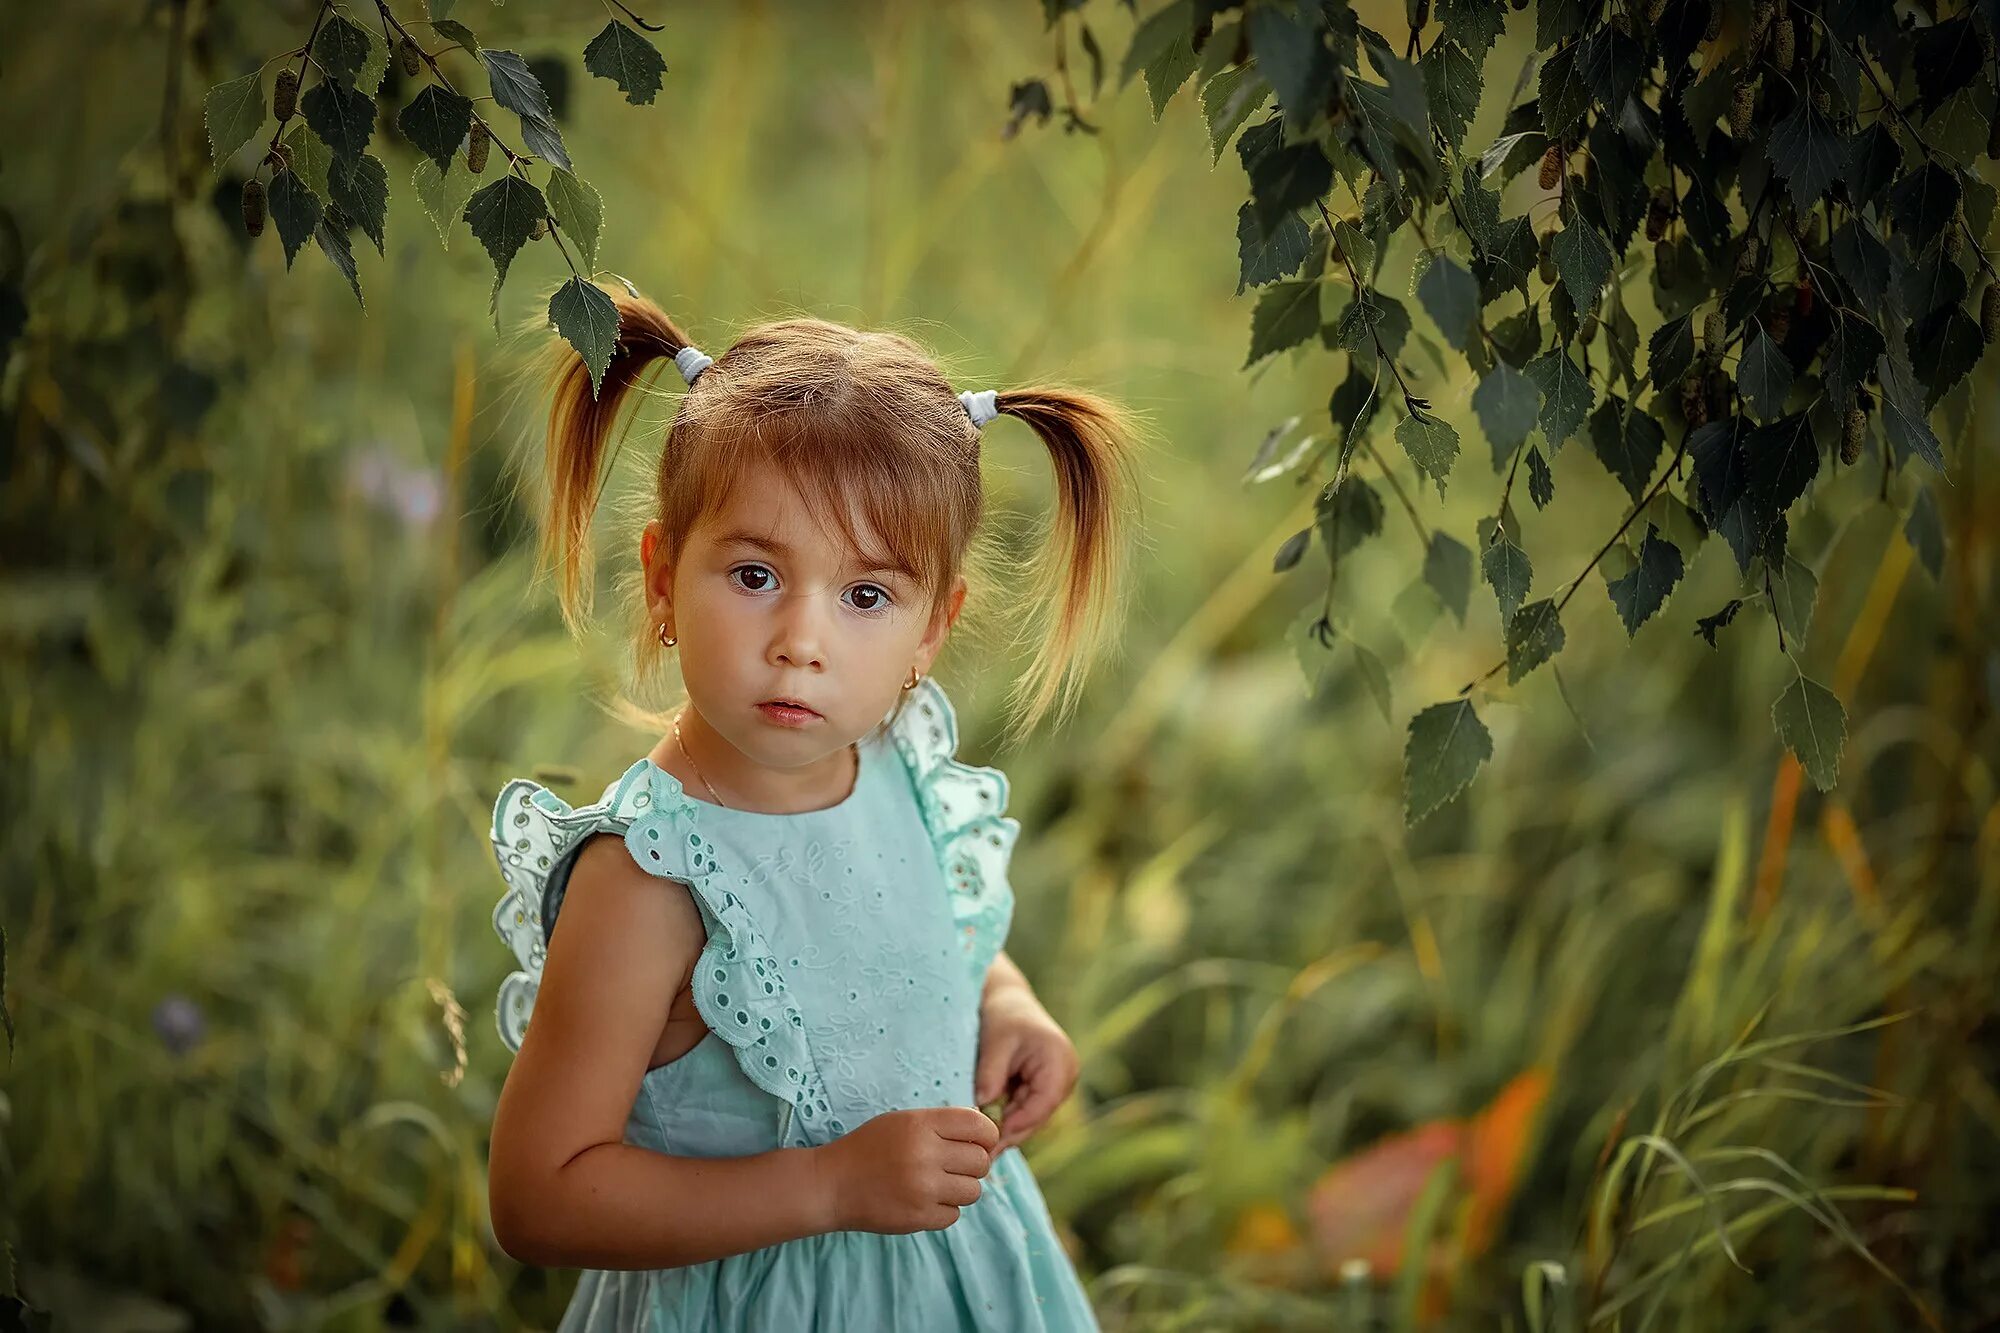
797, 639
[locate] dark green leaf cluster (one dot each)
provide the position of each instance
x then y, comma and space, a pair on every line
324, 182
1730, 245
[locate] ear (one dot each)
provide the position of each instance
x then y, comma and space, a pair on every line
933, 639
659, 574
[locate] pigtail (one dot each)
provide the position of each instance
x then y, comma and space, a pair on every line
1079, 580
576, 461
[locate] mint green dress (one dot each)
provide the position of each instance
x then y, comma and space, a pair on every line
847, 950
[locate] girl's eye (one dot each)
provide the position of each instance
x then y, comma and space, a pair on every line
750, 569
875, 598
880, 595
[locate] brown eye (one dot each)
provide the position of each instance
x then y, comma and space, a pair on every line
757, 570
880, 598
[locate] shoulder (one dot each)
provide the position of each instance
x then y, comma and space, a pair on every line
612, 902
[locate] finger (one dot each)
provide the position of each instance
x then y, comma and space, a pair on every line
1031, 1106
968, 1124
996, 1059
967, 1159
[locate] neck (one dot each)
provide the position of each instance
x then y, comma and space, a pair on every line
741, 783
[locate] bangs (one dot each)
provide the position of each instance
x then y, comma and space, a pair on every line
850, 474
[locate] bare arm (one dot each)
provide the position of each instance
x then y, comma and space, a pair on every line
564, 1188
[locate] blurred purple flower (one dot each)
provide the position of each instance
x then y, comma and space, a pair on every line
179, 1023
412, 494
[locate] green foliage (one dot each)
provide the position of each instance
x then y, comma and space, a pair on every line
1799, 182
323, 181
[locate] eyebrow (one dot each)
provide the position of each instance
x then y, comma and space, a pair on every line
775, 547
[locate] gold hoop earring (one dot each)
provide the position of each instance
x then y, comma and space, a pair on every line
666, 640
911, 684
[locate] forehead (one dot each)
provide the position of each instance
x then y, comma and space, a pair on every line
765, 502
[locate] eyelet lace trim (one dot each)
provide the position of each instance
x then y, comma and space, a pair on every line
738, 988
964, 808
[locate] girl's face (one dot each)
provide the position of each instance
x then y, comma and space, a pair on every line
765, 606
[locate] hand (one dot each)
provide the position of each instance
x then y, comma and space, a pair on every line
1024, 1054
906, 1171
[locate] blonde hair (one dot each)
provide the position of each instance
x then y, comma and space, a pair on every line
853, 418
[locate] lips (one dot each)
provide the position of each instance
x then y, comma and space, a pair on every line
789, 703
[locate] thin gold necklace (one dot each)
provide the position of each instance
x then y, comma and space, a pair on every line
711, 786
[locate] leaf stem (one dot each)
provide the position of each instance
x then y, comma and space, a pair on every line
1577, 582
305, 54
649, 27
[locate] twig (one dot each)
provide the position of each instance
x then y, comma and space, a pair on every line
1584, 573
514, 160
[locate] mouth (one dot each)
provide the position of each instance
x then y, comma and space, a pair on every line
789, 706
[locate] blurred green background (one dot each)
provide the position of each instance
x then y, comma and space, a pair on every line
271, 647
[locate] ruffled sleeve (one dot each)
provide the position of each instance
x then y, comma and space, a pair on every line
535, 832
737, 986
964, 809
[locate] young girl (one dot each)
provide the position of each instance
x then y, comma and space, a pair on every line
748, 1097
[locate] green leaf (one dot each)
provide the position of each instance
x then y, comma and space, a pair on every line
1764, 377
1227, 100
361, 191
233, 112
343, 118
1671, 352
311, 159
1452, 83
628, 60
435, 122
331, 237
1294, 59
340, 49
1627, 443
1447, 745
1566, 395
1452, 297
295, 209
1808, 152
453, 31
1541, 481
1611, 63
1285, 178
1431, 444
1473, 24
1643, 590
368, 79
1155, 37
1287, 314
1534, 635
1583, 260
1924, 203
515, 85
1448, 569
1794, 593
1265, 258
516, 88
1564, 93
1508, 407
579, 211
502, 215
1167, 71
443, 193
587, 317
1813, 725
1509, 572
1348, 516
